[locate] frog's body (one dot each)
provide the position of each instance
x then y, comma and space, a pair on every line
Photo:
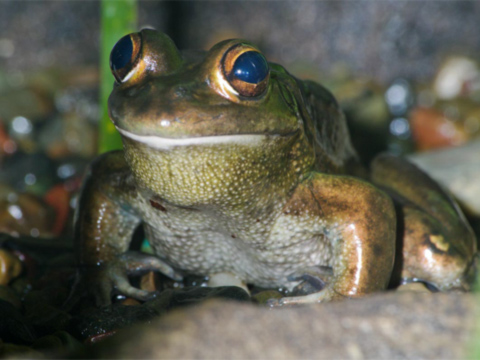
253, 178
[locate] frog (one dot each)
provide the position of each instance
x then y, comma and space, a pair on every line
234, 166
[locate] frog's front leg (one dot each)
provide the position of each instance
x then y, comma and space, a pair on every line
358, 223
105, 222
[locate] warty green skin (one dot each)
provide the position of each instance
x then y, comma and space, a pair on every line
281, 203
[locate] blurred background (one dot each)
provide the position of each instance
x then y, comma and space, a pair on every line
382, 40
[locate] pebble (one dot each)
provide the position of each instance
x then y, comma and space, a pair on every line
10, 267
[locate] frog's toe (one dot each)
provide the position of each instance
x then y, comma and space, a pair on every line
136, 263
325, 295
318, 277
123, 286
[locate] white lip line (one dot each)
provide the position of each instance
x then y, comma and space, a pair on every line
158, 142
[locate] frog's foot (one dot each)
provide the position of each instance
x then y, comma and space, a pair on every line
317, 279
325, 295
137, 263
313, 279
114, 275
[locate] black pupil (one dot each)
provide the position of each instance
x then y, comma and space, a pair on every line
121, 53
251, 67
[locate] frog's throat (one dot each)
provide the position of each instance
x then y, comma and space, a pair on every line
158, 142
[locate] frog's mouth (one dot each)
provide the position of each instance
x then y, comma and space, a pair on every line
158, 142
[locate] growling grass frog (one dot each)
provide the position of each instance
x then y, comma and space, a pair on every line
232, 165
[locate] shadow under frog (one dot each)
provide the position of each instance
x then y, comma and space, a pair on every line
234, 166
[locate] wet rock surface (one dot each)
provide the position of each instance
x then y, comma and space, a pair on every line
458, 169
385, 326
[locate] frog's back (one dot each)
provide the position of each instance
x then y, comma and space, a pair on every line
327, 129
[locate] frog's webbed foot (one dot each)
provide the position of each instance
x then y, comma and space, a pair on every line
325, 295
100, 281
313, 279
316, 279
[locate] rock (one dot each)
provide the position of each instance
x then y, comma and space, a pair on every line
40, 254
10, 266
432, 130
457, 169
24, 214
59, 199
457, 76
28, 172
383, 326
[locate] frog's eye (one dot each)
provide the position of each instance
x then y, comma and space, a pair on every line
124, 57
246, 70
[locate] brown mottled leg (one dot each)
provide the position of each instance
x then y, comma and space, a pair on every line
438, 245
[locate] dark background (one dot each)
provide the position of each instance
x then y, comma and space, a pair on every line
378, 39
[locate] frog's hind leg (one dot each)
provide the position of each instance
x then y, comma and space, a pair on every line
438, 246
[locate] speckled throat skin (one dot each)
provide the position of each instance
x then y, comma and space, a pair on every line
220, 204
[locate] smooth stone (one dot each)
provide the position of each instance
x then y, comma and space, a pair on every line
29, 172
10, 266
432, 129
383, 326
458, 169
24, 214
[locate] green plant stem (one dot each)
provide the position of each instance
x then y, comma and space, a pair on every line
118, 18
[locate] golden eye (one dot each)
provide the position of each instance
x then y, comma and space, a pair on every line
124, 56
246, 70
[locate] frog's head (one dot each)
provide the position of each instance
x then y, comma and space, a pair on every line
165, 99
229, 104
